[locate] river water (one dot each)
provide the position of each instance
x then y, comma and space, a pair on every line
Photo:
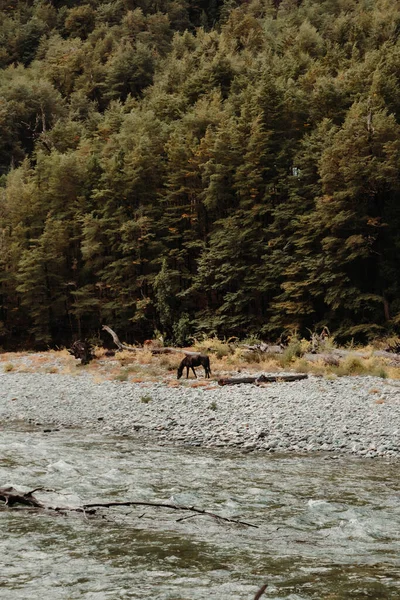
328, 528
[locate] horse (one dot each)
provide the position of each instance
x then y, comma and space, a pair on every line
194, 360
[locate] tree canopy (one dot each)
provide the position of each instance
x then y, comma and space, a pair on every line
179, 167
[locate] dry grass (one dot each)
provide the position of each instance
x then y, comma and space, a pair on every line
227, 359
173, 384
199, 384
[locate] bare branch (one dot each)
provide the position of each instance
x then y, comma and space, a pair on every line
10, 496
198, 511
166, 350
260, 592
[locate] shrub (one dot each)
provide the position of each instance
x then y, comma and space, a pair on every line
381, 372
218, 347
293, 351
352, 365
123, 375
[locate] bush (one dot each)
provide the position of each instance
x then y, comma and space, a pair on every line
218, 347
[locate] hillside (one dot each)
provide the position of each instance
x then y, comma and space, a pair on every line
175, 167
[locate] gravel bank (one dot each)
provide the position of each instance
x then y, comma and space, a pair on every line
357, 415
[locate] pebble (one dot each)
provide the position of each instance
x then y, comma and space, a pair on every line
283, 417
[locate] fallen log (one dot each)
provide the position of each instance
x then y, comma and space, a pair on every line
116, 340
166, 350
262, 379
335, 355
263, 348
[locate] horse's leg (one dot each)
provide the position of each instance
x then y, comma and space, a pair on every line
187, 372
194, 372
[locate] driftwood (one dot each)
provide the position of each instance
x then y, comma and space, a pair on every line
394, 347
154, 350
197, 511
11, 497
333, 357
263, 348
116, 340
329, 356
262, 379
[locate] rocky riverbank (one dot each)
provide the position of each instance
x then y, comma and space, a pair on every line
356, 415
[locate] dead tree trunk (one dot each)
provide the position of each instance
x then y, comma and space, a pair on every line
166, 350
262, 379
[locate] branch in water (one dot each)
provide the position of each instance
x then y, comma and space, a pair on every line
260, 592
10, 496
199, 511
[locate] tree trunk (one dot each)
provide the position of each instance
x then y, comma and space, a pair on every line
262, 379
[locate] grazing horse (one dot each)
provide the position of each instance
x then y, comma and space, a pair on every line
194, 360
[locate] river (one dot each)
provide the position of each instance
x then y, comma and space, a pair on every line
328, 527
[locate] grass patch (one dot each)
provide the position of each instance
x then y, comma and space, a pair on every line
219, 348
352, 365
355, 365
302, 366
294, 350
227, 357
146, 399
122, 376
382, 372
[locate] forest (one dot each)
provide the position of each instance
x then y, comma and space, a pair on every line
177, 167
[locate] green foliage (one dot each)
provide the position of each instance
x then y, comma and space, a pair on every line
146, 399
292, 351
122, 376
221, 167
182, 330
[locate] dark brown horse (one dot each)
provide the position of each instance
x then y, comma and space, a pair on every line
194, 360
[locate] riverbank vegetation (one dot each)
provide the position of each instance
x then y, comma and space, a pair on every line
227, 358
223, 167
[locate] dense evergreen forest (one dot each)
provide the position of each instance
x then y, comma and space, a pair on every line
220, 166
